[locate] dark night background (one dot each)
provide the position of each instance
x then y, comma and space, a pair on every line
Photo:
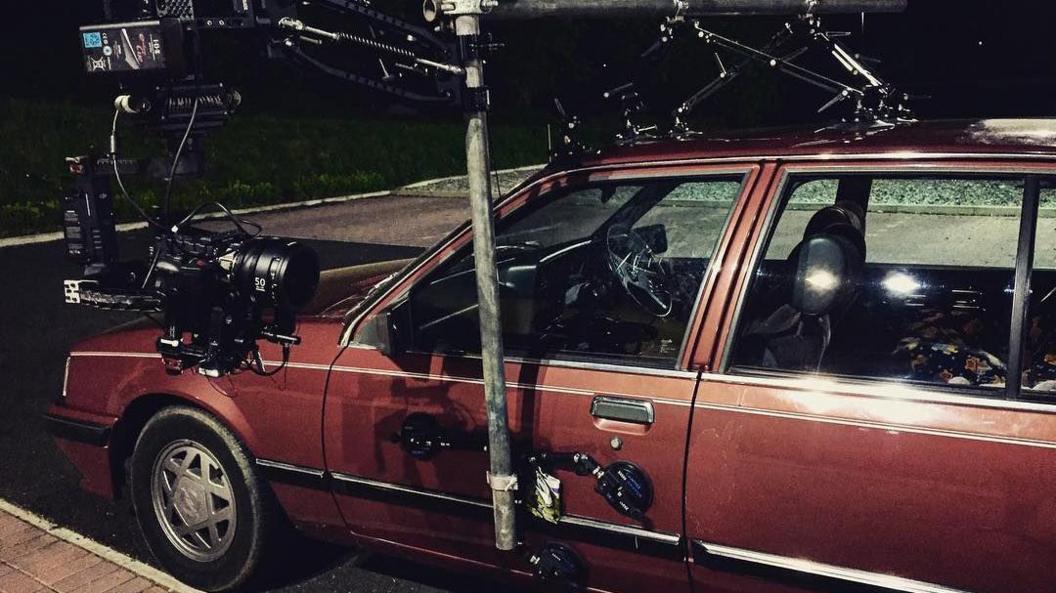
300, 136
974, 57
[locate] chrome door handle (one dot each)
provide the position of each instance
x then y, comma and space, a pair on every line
620, 409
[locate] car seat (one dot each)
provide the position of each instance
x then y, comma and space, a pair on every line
825, 268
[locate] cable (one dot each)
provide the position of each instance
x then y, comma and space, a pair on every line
258, 368
179, 153
238, 222
121, 184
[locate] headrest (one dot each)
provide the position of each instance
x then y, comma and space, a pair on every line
826, 270
844, 219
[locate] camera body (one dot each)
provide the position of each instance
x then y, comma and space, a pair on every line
223, 292
219, 292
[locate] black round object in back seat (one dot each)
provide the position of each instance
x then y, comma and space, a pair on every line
825, 269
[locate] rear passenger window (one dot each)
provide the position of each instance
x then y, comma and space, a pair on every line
1039, 341
895, 278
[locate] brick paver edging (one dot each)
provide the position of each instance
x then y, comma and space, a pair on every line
37, 556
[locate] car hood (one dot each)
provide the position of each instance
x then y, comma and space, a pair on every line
340, 290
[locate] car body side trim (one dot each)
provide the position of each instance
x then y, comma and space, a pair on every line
879, 425
887, 390
785, 568
610, 535
456, 379
78, 431
116, 354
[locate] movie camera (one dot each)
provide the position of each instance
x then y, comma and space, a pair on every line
219, 292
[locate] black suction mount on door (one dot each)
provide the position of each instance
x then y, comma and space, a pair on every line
422, 437
558, 566
624, 485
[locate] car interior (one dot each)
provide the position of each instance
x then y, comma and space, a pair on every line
826, 310
612, 289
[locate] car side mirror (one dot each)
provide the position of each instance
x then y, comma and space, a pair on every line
655, 236
387, 331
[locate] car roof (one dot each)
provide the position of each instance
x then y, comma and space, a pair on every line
1017, 137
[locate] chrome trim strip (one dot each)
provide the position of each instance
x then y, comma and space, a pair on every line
66, 377
408, 490
590, 366
511, 384
670, 539
880, 425
116, 354
308, 471
886, 391
850, 575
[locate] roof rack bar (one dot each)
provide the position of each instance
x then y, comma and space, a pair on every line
530, 9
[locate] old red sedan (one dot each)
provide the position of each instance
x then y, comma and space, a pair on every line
822, 359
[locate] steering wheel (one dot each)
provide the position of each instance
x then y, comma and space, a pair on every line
638, 270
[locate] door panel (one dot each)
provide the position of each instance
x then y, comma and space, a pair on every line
574, 264
954, 495
442, 504
798, 482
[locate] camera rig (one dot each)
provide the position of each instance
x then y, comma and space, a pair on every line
221, 292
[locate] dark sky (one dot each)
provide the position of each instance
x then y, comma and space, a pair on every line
973, 57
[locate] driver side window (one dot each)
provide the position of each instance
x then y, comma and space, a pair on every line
607, 271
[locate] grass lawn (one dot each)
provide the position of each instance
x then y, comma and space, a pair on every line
256, 159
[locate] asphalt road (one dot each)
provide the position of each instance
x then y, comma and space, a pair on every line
37, 327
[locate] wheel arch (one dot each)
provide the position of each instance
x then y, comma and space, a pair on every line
134, 418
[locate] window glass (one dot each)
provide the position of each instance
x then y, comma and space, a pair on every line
1039, 347
609, 271
904, 278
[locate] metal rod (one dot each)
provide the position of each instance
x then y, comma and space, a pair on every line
530, 9
478, 161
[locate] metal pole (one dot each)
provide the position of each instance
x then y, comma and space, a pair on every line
501, 478
529, 9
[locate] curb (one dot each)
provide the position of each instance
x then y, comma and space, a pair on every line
135, 226
108, 554
420, 184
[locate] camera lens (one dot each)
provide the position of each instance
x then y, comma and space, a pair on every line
276, 272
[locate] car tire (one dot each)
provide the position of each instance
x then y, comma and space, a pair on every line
204, 512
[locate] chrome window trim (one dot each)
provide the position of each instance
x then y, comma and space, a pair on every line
786, 173
850, 575
745, 161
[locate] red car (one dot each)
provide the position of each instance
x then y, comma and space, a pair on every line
826, 357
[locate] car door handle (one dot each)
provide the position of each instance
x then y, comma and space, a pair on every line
620, 409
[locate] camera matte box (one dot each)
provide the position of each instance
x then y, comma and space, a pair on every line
130, 48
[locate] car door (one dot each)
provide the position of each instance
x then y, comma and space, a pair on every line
888, 447
592, 369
